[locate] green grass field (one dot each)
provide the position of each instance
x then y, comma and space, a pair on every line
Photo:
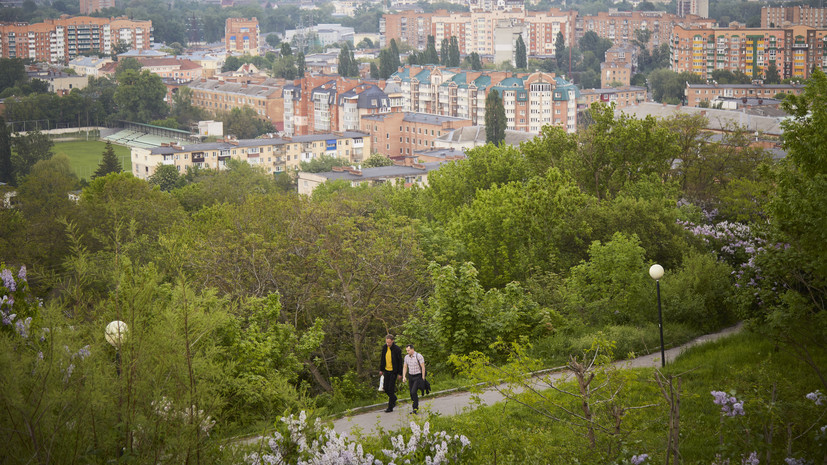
86, 155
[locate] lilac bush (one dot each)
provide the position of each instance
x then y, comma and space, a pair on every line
317, 445
638, 459
730, 406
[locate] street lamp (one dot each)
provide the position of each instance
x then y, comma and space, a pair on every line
656, 272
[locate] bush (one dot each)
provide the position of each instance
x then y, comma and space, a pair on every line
697, 294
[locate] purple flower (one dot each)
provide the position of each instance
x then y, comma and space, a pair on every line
730, 406
21, 275
816, 397
752, 459
638, 459
794, 461
8, 280
22, 327
83, 352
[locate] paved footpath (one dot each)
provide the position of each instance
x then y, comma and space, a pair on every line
369, 423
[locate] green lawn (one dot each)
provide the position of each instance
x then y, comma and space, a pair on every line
86, 155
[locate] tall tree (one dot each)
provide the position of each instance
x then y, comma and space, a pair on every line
344, 61
12, 72
387, 63
374, 71
495, 121
520, 53
772, 76
559, 48
6, 167
474, 61
286, 51
140, 96
395, 55
453, 52
353, 65
109, 163
28, 150
431, 57
444, 51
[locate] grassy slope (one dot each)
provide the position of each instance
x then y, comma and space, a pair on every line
748, 366
86, 156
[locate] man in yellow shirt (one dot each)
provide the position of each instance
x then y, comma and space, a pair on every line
390, 366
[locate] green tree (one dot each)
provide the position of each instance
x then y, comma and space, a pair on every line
376, 160
474, 62
559, 49
344, 66
387, 63
365, 43
591, 42
6, 166
140, 96
444, 50
430, 57
322, 164
166, 177
453, 52
394, 47
109, 162
12, 73
772, 76
28, 150
127, 64
353, 65
495, 122
118, 48
244, 123
520, 53
231, 63
374, 71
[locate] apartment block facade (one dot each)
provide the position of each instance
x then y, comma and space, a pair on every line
242, 36
316, 104
400, 135
60, 40
621, 97
274, 155
92, 6
476, 30
531, 100
700, 93
217, 96
794, 50
802, 15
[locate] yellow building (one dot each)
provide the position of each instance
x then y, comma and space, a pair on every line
274, 155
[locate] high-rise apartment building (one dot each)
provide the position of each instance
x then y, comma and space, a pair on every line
802, 15
693, 7
92, 6
794, 50
61, 40
241, 36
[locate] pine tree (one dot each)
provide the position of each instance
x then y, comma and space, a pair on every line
559, 48
6, 170
374, 71
453, 53
109, 163
495, 121
387, 63
520, 53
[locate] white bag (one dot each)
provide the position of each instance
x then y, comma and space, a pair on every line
382, 383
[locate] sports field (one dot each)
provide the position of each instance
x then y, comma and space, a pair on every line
86, 155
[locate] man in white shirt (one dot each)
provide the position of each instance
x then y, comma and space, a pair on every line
415, 365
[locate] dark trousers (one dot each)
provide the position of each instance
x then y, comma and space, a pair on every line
413, 385
390, 387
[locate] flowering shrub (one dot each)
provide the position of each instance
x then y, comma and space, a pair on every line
638, 459
730, 406
316, 445
16, 309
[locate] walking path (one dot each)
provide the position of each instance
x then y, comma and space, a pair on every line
369, 423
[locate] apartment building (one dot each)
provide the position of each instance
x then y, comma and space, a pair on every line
274, 155
410, 27
242, 36
696, 94
402, 134
223, 95
92, 6
802, 15
621, 97
531, 100
620, 26
61, 40
693, 7
179, 69
331, 103
88, 66
794, 50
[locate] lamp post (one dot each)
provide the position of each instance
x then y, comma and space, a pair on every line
656, 272
115, 334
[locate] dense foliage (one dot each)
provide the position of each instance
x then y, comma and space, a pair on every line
245, 301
